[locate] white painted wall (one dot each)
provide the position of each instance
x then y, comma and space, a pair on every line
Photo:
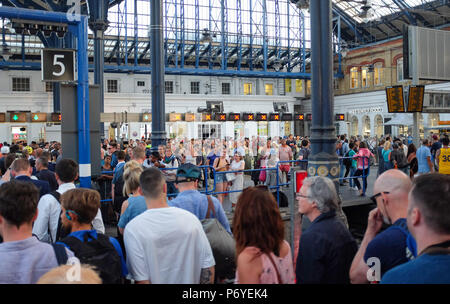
134, 100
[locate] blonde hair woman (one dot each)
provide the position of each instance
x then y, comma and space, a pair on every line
386, 153
135, 204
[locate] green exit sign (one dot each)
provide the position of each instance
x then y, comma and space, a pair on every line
18, 117
38, 117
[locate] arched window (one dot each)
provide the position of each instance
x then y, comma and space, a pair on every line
378, 74
354, 78
400, 70
365, 77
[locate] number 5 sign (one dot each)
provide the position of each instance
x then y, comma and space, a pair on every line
58, 65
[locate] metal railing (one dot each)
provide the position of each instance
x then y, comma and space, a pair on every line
293, 164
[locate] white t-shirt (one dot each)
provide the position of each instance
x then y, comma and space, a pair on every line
167, 246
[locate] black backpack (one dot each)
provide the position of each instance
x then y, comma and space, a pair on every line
347, 161
99, 253
60, 232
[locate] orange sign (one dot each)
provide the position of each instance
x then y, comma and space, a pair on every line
189, 117
443, 123
173, 117
300, 117
394, 96
274, 117
261, 117
207, 117
415, 98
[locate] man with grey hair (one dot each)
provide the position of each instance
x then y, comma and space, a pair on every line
390, 247
326, 248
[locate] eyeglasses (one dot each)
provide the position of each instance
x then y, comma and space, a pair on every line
373, 198
302, 196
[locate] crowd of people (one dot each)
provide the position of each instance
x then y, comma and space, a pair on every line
48, 224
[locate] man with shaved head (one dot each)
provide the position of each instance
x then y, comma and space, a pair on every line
389, 246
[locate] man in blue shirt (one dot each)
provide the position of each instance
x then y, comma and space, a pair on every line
423, 156
79, 207
191, 199
21, 170
117, 182
429, 223
390, 246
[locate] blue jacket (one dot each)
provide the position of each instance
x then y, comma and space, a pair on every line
326, 252
197, 203
43, 186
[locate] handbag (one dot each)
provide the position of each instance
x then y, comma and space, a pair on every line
262, 175
230, 177
222, 244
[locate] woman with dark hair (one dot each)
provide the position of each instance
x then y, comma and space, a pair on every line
412, 160
263, 256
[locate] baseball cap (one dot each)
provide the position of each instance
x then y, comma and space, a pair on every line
5, 150
435, 137
188, 173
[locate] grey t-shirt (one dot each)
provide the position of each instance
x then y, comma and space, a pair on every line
26, 261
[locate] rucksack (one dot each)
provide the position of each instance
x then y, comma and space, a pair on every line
283, 199
347, 161
60, 232
222, 244
99, 253
60, 254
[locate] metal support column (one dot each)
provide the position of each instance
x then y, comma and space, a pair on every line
98, 25
415, 81
84, 146
324, 161
157, 58
265, 35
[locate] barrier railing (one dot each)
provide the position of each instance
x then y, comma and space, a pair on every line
293, 164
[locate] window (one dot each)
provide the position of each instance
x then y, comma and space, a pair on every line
400, 70
226, 88
21, 84
209, 131
365, 75
112, 86
49, 87
308, 87
287, 85
269, 89
168, 85
354, 78
298, 86
195, 87
378, 74
247, 89
141, 83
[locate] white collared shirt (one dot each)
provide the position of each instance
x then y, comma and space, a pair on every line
49, 213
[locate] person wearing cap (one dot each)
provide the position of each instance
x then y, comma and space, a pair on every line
190, 199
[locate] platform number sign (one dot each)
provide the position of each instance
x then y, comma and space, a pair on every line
58, 65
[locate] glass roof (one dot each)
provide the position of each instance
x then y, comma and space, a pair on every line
372, 10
